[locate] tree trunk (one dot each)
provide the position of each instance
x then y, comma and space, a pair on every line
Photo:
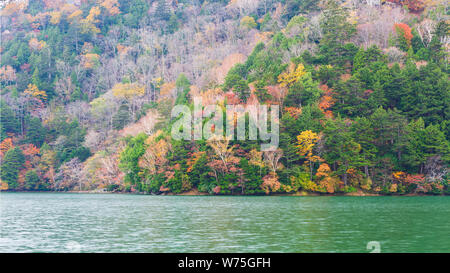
366, 170
345, 174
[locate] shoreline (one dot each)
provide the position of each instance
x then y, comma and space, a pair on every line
195, 192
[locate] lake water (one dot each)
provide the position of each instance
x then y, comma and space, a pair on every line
68, 222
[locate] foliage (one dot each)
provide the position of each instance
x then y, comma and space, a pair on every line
248, 22
129, 158
128, 90
405, 36
87, 91
12, 163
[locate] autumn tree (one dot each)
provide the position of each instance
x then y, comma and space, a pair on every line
69, 175
272, 160
112, 6
55, 17
5, 145
7, 74
305, 145
404, 35
270, 183
303, 90
90, 60
129, 92
222, 149
88, 23
155, 157
248, 22
292, 75
256, 159
412, 5
34, 92
326, 182
326, 101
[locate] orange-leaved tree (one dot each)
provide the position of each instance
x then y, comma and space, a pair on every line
5, 145
404, 31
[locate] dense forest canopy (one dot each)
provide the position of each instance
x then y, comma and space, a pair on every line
87, 88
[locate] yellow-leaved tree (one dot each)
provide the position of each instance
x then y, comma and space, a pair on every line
293, 74
88, 24
128, 90
256, 159
112, 6
55, 17
34, 92
305, 145
248, 22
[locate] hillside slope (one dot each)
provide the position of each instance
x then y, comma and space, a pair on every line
362, 86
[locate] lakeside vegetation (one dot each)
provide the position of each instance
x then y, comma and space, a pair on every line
87, 90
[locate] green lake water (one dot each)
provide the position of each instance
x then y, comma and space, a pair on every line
69, 222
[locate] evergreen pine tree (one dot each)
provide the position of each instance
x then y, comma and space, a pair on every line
35, 133
11, 165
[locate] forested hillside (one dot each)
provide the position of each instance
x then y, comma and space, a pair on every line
87, 88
